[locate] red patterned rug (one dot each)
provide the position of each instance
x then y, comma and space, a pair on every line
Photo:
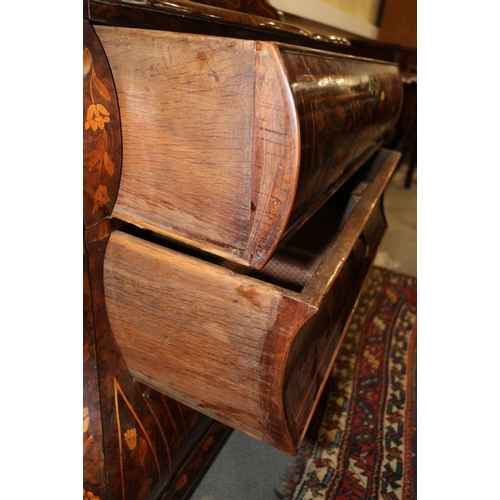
366, 444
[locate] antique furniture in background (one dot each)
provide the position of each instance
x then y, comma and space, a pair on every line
222, 149
405, 137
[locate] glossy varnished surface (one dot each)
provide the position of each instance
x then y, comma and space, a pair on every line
347, 109
102, 136
191, 17
254, 7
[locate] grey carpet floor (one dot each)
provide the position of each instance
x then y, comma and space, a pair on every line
245, 469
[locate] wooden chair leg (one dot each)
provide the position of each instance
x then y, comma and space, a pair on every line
411, 167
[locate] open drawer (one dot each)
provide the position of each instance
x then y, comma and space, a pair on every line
251, 350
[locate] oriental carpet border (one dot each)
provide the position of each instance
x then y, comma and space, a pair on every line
365, 447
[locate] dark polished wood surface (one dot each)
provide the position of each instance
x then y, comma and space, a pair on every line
347, 110
190, 17
254, 7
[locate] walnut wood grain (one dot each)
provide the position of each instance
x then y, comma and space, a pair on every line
334, 288
228, 344
212, 150
218, 346
359, 211
347, 108
188, 17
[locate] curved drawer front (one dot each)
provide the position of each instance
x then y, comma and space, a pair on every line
248, 350
229, 143
346, 107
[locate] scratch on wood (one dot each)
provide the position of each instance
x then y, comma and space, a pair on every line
249, 293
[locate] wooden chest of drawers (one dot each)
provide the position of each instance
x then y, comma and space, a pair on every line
232, 210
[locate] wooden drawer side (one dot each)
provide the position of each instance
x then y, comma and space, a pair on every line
316, 345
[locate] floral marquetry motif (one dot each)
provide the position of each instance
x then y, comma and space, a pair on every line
88, 495
97, 116
131, 438
93, 457
101, 133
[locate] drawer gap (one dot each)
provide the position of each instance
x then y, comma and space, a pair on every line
291, 266
295, 261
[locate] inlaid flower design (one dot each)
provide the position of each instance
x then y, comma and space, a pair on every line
374, 86
86, 419
88, 440
131, 438
97, 116
320, 119
100, 198
87, 495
